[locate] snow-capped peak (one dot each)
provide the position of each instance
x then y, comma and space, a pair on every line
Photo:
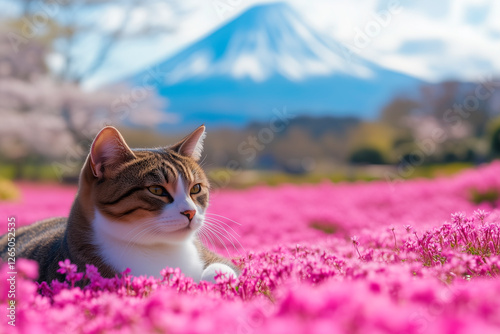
264, 41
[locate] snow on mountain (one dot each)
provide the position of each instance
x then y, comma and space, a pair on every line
267, 40
267, 58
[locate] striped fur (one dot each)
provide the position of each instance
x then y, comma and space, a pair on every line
116, 221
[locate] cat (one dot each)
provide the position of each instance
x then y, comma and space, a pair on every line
138, 209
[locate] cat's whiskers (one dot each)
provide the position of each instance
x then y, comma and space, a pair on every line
230, 234
145, 223
216, 234
221, 229
203, 160
206, 237
203, 164
206, 166
152, 221
146, 226
217, 221
214, 214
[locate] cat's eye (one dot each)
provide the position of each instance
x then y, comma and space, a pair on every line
196, 189
158, 191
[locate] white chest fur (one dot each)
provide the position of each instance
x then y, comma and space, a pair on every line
143, 259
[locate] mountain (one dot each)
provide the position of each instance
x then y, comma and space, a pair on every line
269, 58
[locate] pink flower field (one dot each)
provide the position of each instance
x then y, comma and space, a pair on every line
417, 256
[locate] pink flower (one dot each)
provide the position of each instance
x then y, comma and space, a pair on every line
408, 228
354, 240
480, 214
66, 267
92, 273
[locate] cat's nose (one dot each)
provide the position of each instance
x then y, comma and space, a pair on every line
189, 214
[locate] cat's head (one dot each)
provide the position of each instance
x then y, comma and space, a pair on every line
147, 196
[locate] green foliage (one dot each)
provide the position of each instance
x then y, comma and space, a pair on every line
491, 195
367, 155
28, 171
495, 143
437, 170
326, 227
8, 191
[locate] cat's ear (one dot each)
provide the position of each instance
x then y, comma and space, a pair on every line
191, 145
108, 150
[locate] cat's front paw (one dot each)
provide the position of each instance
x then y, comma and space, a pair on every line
210, 272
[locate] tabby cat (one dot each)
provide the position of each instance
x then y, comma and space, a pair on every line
137, 209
